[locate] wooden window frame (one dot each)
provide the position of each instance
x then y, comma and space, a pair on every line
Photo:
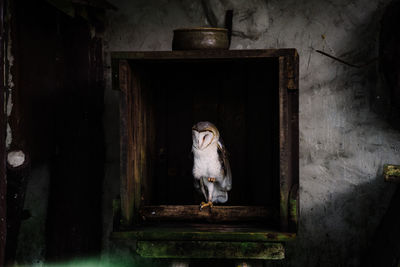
132, 210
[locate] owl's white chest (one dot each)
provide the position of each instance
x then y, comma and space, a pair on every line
206, 162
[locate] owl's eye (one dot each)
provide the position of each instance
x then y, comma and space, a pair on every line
204, 137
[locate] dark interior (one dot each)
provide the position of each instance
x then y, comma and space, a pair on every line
58, 98
239, 97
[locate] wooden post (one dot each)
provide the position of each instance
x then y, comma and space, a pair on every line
126, 144
283, 145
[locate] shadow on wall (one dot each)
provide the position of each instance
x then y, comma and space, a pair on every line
349, 218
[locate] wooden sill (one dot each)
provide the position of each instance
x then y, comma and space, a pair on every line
206, 241
204, 232
210, 250
216, 214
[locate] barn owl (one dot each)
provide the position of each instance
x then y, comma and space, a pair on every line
211, 170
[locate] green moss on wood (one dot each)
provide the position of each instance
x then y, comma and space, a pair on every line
293, 210
210, 249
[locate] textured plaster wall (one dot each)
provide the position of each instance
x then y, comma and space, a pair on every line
343, 143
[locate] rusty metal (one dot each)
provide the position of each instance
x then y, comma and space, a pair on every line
228, 24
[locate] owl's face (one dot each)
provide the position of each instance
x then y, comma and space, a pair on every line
203, 139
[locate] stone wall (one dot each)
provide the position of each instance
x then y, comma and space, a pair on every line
343, 143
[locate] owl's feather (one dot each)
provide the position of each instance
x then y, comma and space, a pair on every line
227, 181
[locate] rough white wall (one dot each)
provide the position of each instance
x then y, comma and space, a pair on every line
343, 144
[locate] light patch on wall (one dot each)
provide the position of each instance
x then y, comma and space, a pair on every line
9, 132
10, 59
10, 86
9, 104
9, 136
16, 158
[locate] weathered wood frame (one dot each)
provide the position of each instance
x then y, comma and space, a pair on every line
133, 153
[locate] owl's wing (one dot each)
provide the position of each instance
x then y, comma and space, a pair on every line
226, 183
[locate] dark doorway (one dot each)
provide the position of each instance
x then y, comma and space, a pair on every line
57, 118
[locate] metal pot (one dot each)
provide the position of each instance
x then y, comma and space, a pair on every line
200, 38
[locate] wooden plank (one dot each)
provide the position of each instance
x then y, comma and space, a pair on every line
210, 250
294, 209
262, 130
293, 108
216, 214
292, 66
115, 74
204, 54
178, 106
161, 92
148, 141
231, 121
391, 173
284, 144
138, 142
126, 146
204, 232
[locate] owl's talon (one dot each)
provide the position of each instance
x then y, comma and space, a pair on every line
212, 180
208, 204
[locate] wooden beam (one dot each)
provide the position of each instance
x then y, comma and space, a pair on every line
216, 214
284, 145
204, 232
126, 144
210, 249
204, 54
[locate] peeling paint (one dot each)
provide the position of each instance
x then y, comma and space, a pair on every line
16, 158
10, 85
10, 59
9, 104
8, 136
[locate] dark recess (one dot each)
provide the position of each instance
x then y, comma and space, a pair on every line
57, 118
389, 64
240, 98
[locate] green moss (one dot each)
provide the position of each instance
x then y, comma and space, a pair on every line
392, 170
391, 173
108, 262
293, 210
210, 249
